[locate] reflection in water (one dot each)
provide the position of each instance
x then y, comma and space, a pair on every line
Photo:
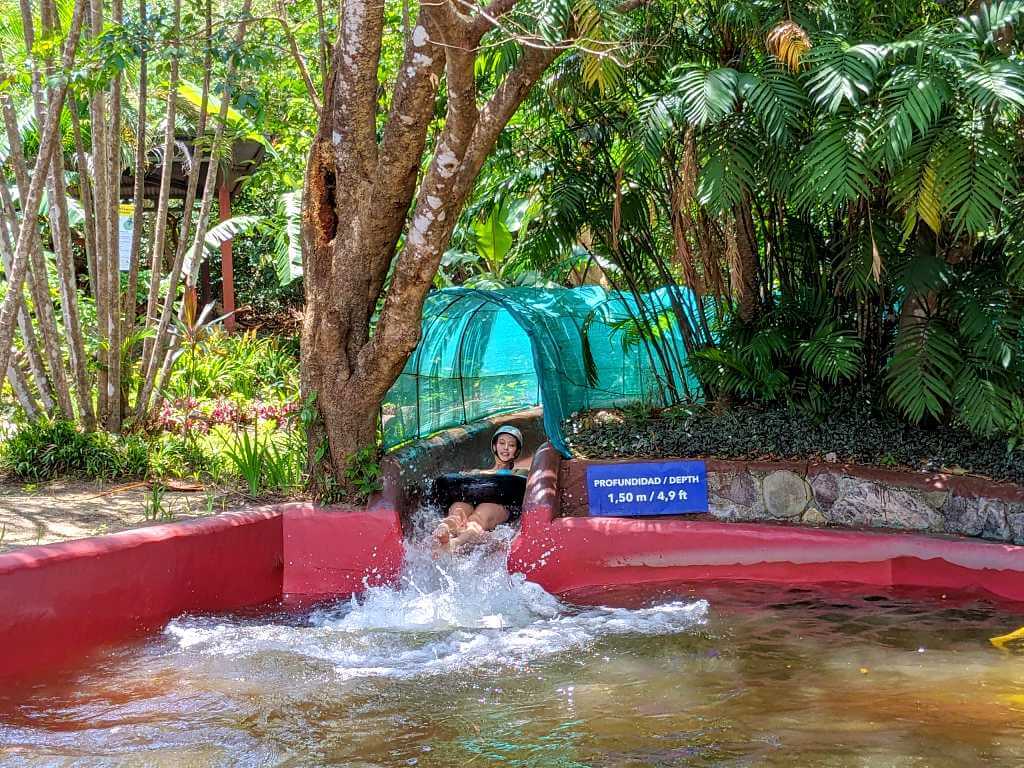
463, 664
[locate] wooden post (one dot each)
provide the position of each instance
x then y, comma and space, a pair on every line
227, 268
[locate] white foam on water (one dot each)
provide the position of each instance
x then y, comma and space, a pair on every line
446, 613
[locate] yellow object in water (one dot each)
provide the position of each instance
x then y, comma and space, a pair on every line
1001, 641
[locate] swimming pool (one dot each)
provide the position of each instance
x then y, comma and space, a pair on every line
463, 664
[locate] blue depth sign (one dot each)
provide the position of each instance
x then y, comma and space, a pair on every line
649, 488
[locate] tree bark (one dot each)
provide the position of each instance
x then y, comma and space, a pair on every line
165, 358
61, 229
28, 234
101, 197
37, 275
85, 194
139, 188
8, 232
160, 228
113, 170
19, 385
745, 277
153, 359
358, 199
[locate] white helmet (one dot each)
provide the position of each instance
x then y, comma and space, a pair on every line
508, 430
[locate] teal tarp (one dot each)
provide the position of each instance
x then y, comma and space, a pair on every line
490, 352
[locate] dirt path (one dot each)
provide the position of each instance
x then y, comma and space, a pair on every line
69, 509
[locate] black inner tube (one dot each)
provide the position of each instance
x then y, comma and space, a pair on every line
477, 488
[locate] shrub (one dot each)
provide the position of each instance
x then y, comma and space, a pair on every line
236, 365
177, 456
852, 429
49, 448
266, 463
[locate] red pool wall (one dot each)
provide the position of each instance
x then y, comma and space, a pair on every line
574, 554
327, 553
58, 602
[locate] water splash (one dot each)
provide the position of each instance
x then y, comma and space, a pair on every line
447, 613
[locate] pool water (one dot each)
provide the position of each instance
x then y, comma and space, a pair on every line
464, 665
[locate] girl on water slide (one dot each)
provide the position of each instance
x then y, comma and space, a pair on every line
467, 523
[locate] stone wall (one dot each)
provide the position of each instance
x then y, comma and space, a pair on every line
849, 496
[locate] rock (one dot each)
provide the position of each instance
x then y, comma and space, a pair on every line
785, 494
979, 517
814, 516
726, 510
962, 515
1015, 521
826, 490
739, 489
831, 457
877, 506
733, 496
996, 526
935, 499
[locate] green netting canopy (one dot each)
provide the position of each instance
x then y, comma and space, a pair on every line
490, 352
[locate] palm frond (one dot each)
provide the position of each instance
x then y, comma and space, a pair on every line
923, 366
842, 73
836, 167
288, 251
777, 101
708, 95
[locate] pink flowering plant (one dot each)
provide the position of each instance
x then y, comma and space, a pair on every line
186, 414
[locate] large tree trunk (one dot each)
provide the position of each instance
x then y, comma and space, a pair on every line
361, 194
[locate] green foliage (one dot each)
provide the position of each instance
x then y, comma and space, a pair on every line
240, 365
837, 166
247, 455
153, 507
877, 160
855, 431
362, 473
174, 455
707, 95
49, 448
266, 465
842, 73
288, 240
922, 369
796, 353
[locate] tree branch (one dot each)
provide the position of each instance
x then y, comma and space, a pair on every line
350, 99
300, 62
401, 148
448, 181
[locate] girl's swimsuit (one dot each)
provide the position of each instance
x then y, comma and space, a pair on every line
500, 487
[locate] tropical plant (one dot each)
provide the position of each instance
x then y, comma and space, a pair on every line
44, 449
758, 149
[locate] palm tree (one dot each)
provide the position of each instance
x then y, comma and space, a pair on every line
755, 152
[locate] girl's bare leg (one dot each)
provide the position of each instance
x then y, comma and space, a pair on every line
486, 517
458, 515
